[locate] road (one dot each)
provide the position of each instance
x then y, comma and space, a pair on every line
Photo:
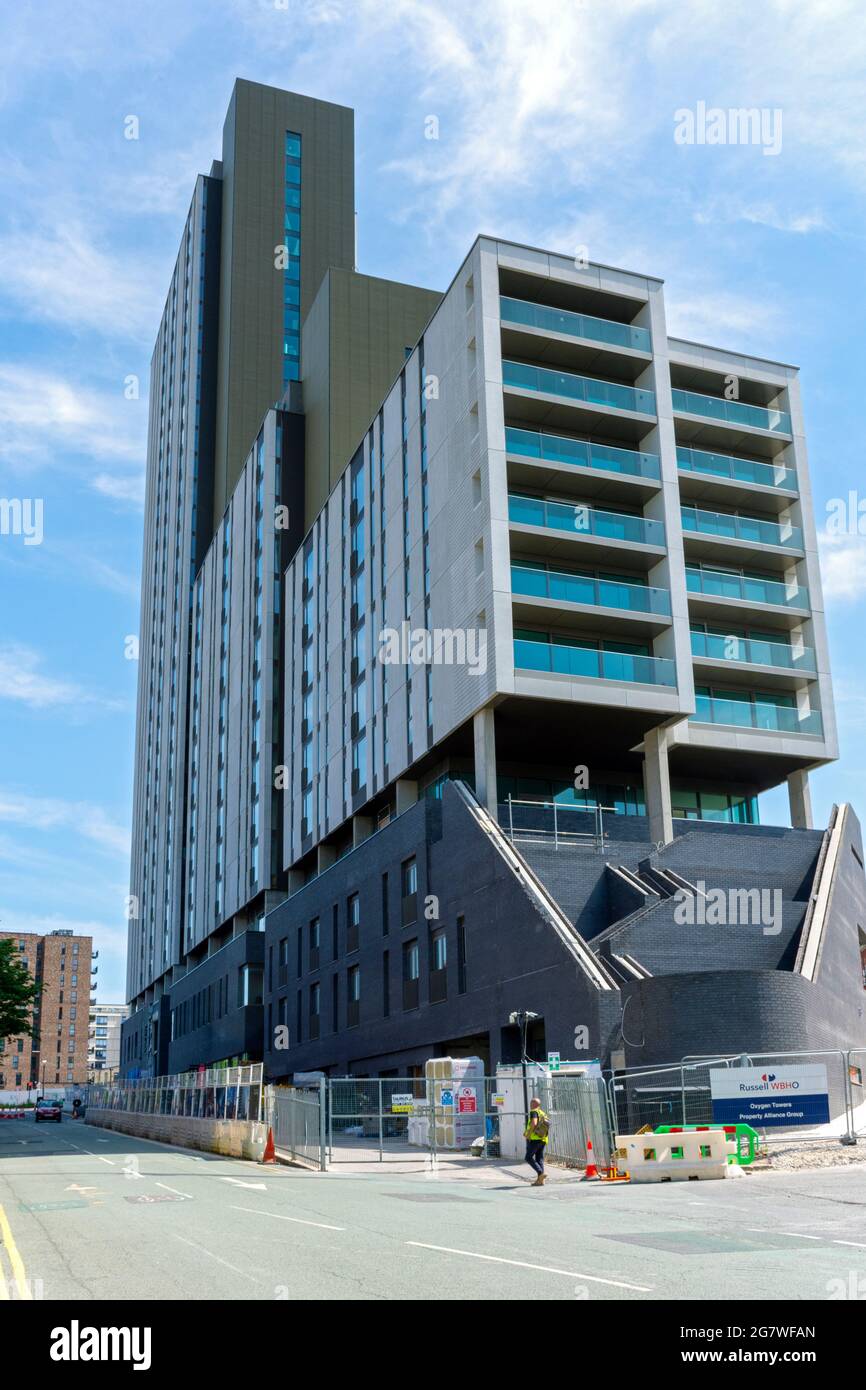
89, 1214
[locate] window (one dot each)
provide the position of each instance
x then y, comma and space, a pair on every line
353, 923
409, 902
411, 970
315, 1009
384, 904
461, 955
335, 1003
353, 1005
386, 984
250, 984
314, 943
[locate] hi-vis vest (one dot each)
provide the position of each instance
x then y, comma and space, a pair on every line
529, 1132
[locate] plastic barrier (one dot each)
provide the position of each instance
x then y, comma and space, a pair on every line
742, 1140
672, 1158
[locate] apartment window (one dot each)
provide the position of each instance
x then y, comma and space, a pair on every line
411, 971
461, 955
353, 1003
335, 929
384, 904
299, 1017
409, 901
386, 984
300, 969
250, 985
282, 1012
335, 1002
353, 923
314, 944
315, 1009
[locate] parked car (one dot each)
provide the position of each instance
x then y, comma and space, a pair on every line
47, 1110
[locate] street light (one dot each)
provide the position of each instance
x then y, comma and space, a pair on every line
521, 1018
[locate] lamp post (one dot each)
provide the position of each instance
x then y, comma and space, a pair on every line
521, 1018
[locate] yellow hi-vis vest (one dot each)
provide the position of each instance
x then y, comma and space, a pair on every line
529, 1132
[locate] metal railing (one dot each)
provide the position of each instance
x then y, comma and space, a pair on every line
217, 1093
297, 1118
553, 824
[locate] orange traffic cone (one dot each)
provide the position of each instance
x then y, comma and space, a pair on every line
270, 1153
591, 1169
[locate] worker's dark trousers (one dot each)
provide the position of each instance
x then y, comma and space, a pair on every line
535, 1154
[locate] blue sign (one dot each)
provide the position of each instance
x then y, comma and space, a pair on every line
768, 1098
447, 1098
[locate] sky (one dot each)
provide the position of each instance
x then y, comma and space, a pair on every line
556, 127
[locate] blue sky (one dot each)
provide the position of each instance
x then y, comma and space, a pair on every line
555, 125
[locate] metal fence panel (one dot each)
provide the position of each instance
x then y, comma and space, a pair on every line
218, 1093
296, 1119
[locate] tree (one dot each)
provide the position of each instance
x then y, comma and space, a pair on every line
18, 990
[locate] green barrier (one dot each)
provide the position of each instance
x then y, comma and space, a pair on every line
745, 1138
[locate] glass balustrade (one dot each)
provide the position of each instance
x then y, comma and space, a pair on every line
736, 469
588, 589
581, 453
543, 316
717, 584
713, 709
579, 388
754, 651
593, 663
740, 528
583, 520
731, 412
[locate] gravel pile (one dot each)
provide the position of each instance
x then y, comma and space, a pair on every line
817, 1153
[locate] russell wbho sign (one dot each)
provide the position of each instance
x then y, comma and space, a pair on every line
770, 1096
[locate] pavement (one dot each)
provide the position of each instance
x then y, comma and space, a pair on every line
87, 1213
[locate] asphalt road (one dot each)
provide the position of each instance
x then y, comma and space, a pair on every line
89, 1214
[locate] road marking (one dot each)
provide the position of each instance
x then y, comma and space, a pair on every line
858, 1245
522, 1264
89, 1152
276, 1216
15, 1259
218, 1258
798, 1235
238, 1182
174, 1190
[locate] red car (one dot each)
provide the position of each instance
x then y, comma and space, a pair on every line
47, 1110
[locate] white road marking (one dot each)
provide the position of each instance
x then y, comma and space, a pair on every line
799, 1235
276, 1216
89, 1152
219, 1259
522, 1264
858, 1245
239, 1182
175, 1191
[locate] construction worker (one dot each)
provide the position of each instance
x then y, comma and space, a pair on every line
536, 1134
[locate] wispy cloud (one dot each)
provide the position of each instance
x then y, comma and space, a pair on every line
843, 566
82, 818
761, 214
23, 680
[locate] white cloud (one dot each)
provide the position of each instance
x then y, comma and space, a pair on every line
121, 488
721, 318
22, 680
51, 813
761, 214
843, 566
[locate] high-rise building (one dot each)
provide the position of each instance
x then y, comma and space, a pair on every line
103, 1040
55, 1053
510, 610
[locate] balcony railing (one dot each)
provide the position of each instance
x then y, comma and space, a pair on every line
740, 528
715, 584
579, 388
586, 521
552, 320
581, 453
731, 412
753, 651
737, 470
711, 709
593, 663
583, 588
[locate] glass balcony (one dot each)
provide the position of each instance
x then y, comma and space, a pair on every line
746, 714
594, 663
740, 528
586, 521
754, 651
581, 453
731, 412
522, 311
585, 588
716, 584
737, 470
578, 388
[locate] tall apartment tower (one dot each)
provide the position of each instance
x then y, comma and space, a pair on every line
55, 1052
488, 618
268, 247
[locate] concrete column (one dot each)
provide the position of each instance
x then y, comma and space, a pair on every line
297, 879
326, 855
362, 829
800, 801
484, 730
657, 786
406, 794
